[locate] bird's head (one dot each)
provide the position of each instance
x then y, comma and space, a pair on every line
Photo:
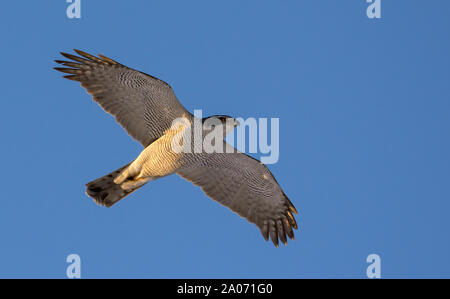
226, 122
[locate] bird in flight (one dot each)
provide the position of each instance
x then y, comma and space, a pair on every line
146, 108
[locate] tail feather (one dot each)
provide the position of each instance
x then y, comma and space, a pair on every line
105, 192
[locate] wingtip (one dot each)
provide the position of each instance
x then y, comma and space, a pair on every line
290, 205
71, 77
83, 54
275, 243
293, 209
59, 69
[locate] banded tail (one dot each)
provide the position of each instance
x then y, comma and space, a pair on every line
106, 193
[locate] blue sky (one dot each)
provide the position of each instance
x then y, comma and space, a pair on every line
364, 137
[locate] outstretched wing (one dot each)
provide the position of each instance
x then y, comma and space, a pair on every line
248, 188
144, 105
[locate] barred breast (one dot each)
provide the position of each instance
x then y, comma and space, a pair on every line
159, 159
